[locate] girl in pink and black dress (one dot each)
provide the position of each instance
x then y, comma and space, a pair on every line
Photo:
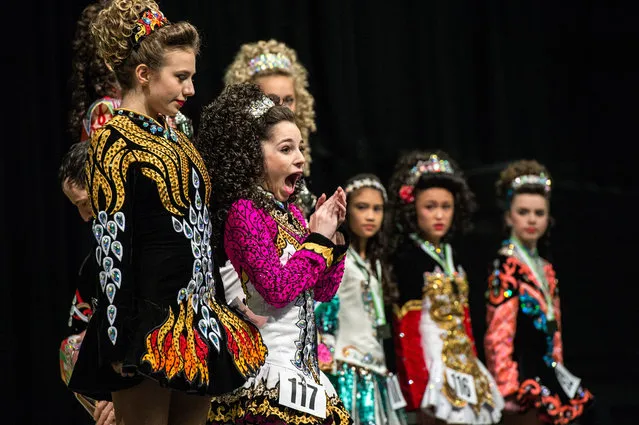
251, 147
523, 343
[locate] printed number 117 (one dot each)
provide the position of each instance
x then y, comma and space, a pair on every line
303, 386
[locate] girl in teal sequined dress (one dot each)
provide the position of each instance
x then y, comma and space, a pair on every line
353, 325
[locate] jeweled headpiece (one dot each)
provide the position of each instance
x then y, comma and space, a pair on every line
532, 179
150, 21
432, 165
366, 182
260, 106
268, 61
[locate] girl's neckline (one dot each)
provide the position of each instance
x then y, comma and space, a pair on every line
283, 205
149, 124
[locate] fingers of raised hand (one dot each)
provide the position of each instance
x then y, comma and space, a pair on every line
320, 201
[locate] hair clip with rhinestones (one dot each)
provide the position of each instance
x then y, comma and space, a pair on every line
149, 21
260, 106
532, 179
432, 165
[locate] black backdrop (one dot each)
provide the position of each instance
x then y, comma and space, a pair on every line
488, 81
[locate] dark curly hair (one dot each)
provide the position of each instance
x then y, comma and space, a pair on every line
402, 217
375, 246
90, 78
72, 165
230, 141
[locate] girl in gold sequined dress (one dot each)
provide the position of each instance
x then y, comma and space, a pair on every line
440, 375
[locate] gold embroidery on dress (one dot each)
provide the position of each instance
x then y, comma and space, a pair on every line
411, 305
325, 251
261, 401
295, 228
447, 311
104, 167
163, 161
243, 281
283, 239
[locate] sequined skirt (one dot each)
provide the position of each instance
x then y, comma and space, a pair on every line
365, 396
256, 403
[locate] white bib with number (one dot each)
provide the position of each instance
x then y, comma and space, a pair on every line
303, 395
463, 384
395, 395
569, 382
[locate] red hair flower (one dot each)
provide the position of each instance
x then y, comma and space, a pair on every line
406, 194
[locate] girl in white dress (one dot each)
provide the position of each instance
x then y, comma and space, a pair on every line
353, 324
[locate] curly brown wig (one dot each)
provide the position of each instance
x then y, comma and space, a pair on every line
505, 192
375, 246
230, 141
90, 78
402, 217
112, 30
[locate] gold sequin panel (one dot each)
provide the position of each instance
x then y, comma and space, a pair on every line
447, 311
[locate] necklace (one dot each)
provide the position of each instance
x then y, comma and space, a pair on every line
150, 125
282, 214
443, 257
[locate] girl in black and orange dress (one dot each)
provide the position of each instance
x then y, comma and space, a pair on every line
160, 341
523, 343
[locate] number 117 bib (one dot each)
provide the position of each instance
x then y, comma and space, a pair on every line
302, 395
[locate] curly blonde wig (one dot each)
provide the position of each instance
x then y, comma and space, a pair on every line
240, 71
113, 28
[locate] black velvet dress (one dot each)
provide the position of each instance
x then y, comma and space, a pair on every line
157, 311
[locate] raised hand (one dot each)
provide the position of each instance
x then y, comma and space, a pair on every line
329, 214
340, 202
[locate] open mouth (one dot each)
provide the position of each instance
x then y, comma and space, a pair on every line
291, 181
